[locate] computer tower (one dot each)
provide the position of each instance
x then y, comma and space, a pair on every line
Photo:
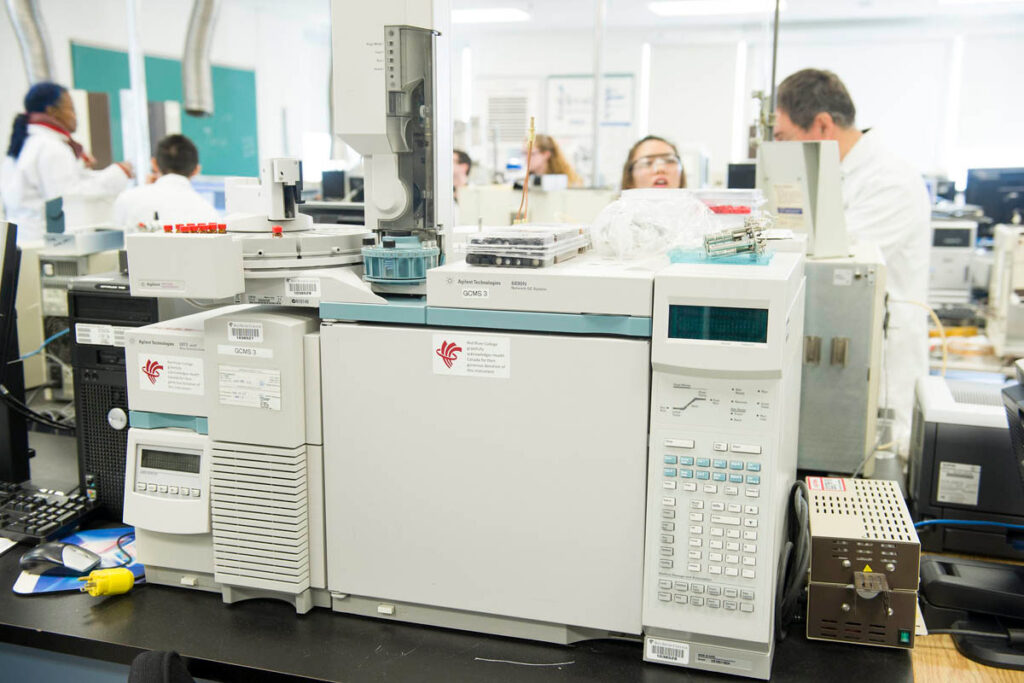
100, 309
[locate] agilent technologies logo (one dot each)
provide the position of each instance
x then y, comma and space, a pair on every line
152, 370
448, 353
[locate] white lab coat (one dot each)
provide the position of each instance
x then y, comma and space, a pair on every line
47, 168
171, 197
886, 203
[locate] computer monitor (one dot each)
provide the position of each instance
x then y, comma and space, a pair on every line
999, 191
742, 176
14, 452
332, 185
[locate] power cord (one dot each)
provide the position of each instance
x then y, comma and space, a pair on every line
29, 414
796, 559
1015, 636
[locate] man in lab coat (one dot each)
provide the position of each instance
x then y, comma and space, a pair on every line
170, 198
885, 202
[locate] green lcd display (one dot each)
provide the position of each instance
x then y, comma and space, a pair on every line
168, 460
718, 323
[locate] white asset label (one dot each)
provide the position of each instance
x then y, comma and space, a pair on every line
789, 206
172, 374
245, 332
471, 355
842, 277
249, 387
302, 286
100, 335
244, 351
668, 651
959, 483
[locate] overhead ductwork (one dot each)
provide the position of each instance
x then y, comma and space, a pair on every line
35, 49
196, 74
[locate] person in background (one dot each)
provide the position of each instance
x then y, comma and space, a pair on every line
43, 162
170, 198
653, 162
547, 158
462, 164
885, 202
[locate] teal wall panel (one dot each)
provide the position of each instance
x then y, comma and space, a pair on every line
227, 141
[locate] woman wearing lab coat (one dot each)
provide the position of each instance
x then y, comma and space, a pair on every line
43, 162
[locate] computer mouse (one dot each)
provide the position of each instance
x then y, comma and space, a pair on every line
59, 559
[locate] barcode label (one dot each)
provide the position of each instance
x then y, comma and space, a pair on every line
245, 332
668, 651
303, 286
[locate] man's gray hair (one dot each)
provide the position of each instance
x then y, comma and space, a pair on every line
809, 92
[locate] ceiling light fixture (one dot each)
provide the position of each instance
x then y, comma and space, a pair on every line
493, 15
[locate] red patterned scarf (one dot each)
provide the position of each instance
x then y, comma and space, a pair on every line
40, 119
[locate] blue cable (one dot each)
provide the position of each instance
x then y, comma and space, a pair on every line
49, 339
967, 522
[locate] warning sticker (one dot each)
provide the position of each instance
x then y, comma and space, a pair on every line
100, 335
471, 355
826, 484
959, 483
172, 374
667, 651
251, 332
302, 286
249, 387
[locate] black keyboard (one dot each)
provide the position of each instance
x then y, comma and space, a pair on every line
35, 515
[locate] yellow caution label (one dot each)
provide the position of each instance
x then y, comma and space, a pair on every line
867, 567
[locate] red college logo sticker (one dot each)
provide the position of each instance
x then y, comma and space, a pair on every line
152, 370
448, 353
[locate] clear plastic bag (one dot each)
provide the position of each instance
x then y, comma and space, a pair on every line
648, 223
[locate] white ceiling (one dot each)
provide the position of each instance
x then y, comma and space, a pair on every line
562, 14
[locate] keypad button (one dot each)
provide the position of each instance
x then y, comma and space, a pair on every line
697, 587
682, 586
664, 583
735, 464
670, 460
668, 526
714, 569
670, 502
151, 488
753, 493
689, 486
668, 514
679, 443
750, 522
715, 557
720, 464
696, 543
746, 449
720, 446
710, 488
668, 485
703, 474
686, 460
667, 538
714, 603
731, 593
141, 486
715, 545
749, 560
715, 531
733, 533
696, 516
697, 504
732, 546
733, 559
195, 493
172, 490
753, 467
736, 478
718, 476
669, 471
665, 597
754, 479
750, 509
747, 594
748, 573
681, 599
749, 548
714, 590
746, 607
693, 567
732, 571
728, 520
693, 555
749, 535
686, 474
667, 552
735, 507
717, 506
696, 530
697, 602
162, 488
730, 605
665, 564
703, 462
732, 491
